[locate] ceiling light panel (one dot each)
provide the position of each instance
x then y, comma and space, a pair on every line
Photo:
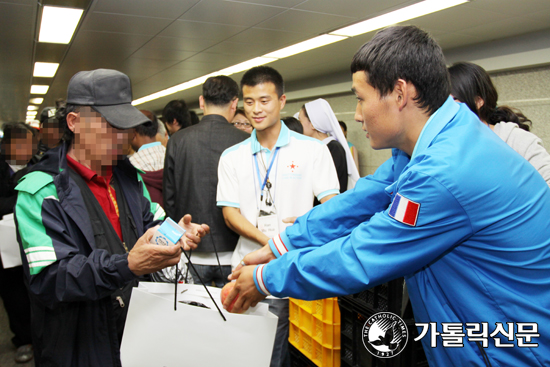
39, 89
397, 16
45, 69
58, 24
319, 41
32, 108
36, 100
246, 65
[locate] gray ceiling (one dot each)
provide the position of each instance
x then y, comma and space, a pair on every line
161, 43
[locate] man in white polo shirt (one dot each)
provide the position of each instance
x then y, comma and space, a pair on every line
269, 178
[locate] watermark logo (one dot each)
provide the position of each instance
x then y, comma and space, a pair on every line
385, 335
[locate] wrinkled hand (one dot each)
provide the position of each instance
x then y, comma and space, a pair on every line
260, 256
193, 233
245, 288
146, 258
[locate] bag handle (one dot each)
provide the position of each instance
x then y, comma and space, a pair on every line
204, 285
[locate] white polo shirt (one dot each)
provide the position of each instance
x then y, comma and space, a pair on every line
302, 169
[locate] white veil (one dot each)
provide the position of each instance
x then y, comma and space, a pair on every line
324, 120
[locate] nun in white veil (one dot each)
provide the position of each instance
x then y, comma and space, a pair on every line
320, 122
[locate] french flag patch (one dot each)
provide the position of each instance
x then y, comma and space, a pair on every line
404, 210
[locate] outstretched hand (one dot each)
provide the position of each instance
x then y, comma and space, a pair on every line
193, 233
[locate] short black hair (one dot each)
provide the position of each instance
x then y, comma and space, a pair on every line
263, 74
408, 53
219, 90
469, 81
293, 124
177, 109
343, 125
148, 128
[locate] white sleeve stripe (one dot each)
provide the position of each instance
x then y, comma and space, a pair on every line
39, 248
40, 264
41, 256
260, 277
280, 245
51, 197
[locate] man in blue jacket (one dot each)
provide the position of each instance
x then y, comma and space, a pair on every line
82, 214
455, 211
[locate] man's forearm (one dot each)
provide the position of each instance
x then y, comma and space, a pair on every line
240, 225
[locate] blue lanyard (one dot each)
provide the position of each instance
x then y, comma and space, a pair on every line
268, 170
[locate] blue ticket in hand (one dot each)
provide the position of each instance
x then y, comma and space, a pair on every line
169, 233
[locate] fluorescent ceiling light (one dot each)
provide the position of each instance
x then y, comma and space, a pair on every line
172, 90
45, 69
199, 81
58, 24
36, 100
32, 113
397, 16
32, 108
400, 15
246, 65
39, 89
310, 44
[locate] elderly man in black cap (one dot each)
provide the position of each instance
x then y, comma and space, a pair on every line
84, 222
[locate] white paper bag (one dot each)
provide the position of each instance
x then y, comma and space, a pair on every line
9, 248
156, 335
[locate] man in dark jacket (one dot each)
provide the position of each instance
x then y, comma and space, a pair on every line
81, 216
191, 176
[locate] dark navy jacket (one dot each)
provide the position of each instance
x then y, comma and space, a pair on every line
70, 280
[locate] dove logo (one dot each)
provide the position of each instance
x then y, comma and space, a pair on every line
385, 335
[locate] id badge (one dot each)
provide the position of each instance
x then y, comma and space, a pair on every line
269, 225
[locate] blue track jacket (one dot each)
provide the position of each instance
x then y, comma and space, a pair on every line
479, 250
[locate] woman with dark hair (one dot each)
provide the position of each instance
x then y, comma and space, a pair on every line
470, 84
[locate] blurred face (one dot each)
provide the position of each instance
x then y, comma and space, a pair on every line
21, 148
241, 122
51, 135
376, 114
172, 127
262, 105
306, 123
98, 141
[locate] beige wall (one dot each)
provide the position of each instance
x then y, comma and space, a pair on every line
527, 89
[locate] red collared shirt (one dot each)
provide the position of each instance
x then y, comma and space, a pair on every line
102, 191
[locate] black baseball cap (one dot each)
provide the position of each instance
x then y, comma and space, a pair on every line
109, 93
47, 115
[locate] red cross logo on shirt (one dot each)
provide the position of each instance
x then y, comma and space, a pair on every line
292, 166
